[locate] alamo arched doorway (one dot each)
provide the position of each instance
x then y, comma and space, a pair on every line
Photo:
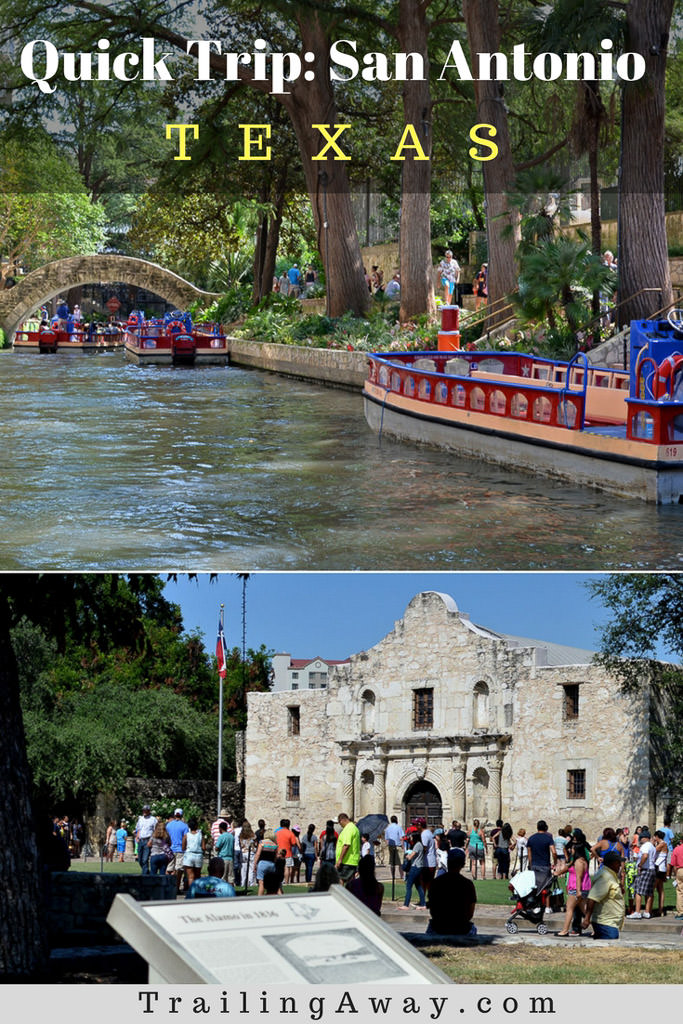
423, 800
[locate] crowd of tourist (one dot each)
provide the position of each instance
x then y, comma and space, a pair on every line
596, 884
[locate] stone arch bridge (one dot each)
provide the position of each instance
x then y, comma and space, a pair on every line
17, 303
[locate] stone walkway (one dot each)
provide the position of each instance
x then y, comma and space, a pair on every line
657, 933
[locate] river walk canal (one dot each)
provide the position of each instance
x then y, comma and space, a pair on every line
107, 465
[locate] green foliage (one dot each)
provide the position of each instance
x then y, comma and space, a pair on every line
93, 738
110, 684
45, 211
226, 310
557, 278
3, 340
280, 320
200, 235
452, 219
163, 808
253, 675
647, 619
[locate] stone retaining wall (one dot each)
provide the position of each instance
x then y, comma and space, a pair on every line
79, 901
335, 367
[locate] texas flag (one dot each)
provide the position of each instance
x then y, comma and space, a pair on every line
220, 649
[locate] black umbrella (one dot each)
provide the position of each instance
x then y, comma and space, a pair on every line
372, 825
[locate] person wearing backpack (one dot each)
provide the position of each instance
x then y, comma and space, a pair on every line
327, 846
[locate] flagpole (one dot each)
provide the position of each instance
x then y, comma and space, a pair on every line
220, 719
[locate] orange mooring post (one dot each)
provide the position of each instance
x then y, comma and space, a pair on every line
449, 335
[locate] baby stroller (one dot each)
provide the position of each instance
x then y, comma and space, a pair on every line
530, 899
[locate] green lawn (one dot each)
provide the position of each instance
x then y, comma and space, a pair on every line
490, 892
533, 965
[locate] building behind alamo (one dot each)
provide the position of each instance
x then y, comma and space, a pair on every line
453, 720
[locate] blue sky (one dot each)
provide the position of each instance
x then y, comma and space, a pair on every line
334, 615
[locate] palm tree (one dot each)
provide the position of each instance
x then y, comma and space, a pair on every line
244, 576
554, 272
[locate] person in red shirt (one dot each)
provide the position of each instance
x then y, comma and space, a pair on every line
287, 841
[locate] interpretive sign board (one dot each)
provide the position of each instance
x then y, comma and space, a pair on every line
326, 938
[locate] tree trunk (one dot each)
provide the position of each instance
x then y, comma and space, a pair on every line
594, 112
23, 949
259, 257
327, 180
309, 103
417, 283
643, 257
271, 242
502, 223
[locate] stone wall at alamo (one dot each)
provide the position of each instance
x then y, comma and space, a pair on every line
476, 720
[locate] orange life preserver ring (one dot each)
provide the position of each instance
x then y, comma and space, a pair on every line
661, 382
176, 325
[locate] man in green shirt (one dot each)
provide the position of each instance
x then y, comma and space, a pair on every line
348, 848
605, 904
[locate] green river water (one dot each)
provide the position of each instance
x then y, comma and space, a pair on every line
107, 465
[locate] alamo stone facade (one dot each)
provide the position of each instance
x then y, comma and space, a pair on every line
453, 720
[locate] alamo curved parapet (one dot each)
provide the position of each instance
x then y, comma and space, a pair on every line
41, 285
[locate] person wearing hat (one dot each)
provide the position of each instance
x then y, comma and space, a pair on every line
452, 900
177, 828
224, 847
223, 815
605, 908
144, 829
644, 885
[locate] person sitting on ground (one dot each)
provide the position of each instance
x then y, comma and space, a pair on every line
213, 884
272, 880
325, 876
365, 886
452, 899
605, 908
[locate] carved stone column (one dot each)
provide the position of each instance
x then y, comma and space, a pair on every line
495, 772
380, 788
348, 787
459, 802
